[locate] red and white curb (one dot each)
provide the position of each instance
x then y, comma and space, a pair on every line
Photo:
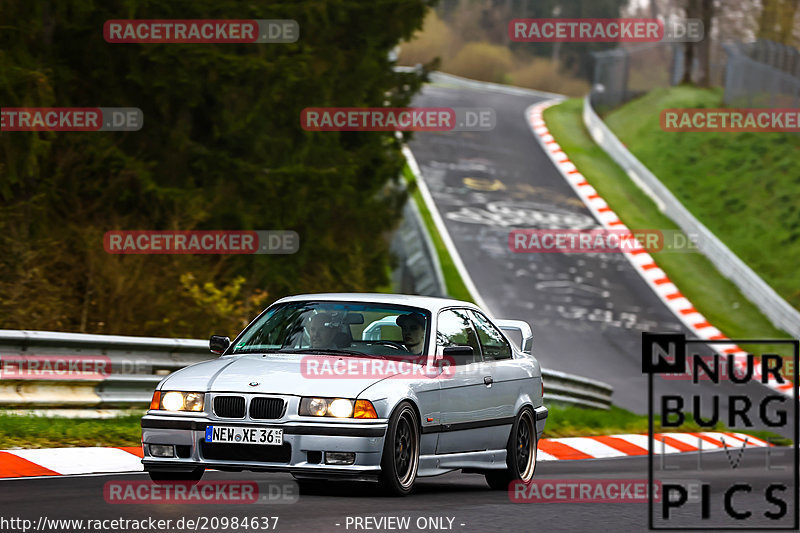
75, 461
643, 262
609, 446
69, 461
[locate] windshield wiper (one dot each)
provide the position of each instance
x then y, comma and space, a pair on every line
324, 351
333, 351
256, 350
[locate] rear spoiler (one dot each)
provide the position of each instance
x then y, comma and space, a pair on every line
520, 328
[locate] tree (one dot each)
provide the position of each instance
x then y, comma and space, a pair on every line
703, 10
221, 148
777, 20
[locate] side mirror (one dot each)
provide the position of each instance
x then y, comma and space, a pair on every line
460, 355
458, 350
218, 344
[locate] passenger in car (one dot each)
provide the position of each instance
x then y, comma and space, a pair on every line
413, 327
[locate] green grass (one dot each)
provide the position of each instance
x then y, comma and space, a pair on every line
578, 422
744, 187
21, 431
714, 296
453, 282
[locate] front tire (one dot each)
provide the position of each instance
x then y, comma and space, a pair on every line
520, 454
161, 477
400, 459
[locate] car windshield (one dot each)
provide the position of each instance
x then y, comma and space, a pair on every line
347, 328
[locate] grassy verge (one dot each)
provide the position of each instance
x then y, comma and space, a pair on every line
577, 422
19, 431
743, 186
454, 284
714, 296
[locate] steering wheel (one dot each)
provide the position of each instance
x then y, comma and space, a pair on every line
392, 344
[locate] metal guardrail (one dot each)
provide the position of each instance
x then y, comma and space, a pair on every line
137, 364
419, 271
125, 370
778, 310
563, 388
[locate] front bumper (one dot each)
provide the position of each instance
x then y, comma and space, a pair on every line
302, 453
540, 413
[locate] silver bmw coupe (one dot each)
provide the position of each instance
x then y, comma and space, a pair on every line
377, 387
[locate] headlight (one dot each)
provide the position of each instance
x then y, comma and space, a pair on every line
341, 408
181, 401
336, 407
317, 407
193, 401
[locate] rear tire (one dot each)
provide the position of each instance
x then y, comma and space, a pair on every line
161, 477
520, 453
400, 458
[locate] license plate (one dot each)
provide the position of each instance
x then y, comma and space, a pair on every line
244, 435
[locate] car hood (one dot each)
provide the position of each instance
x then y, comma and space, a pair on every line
273, 373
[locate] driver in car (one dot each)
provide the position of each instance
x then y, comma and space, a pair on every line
413, 327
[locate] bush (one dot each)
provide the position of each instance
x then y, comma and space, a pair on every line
434, 40
481, 61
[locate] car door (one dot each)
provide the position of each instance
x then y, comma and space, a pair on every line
465, 400
509, 377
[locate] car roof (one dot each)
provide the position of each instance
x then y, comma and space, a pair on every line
432, 303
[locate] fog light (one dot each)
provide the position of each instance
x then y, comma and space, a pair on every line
162, 450
340, 458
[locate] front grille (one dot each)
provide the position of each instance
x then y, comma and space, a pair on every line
246, 452
229, 406
266, 408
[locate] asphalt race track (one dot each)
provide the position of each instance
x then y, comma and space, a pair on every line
463, 498
587, 311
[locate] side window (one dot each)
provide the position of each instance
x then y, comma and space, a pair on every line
455, 329
492, 341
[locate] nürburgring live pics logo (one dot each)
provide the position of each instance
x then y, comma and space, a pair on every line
754, 499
